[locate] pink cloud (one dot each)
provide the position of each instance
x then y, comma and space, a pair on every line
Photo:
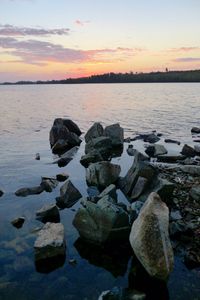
81, 23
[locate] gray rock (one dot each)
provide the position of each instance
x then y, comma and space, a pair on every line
140, 168
131, 151
195, 193
49, 184
37, 156
197, 148
149, 238
23, 192
190, 169
91, 157
18, 222
156, 150
195, 130
62, 177
50, 242
102, 144
172, 141
135, 210
102, 174
102, 222
115, 133
1, 193
139, 188
175, 215
72, 126
48, 213
170, 158
151, 138
95, 131
69, 195
66, 157
188, 151
109, 191
164, 189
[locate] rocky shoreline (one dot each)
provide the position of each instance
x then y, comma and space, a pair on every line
162, 189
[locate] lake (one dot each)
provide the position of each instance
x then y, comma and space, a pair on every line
26, 116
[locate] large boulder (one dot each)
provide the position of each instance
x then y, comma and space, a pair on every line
91, 157
115, 133
69, 195
95, 131
102, 222
149, 238
102, 144
102, 174
156, 150
140, 168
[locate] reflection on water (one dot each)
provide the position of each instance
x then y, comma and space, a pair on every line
26, 116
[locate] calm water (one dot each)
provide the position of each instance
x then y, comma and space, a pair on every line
26, 116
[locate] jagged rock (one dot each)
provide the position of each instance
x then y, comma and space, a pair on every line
164, 189
102, 222
50, 242
69, 195
140, 168
23, 192
62, 177
156, 150
151, 138
139, 188
71, 126
102, 174
95, 131
188, 151
49, 184
48, 213
18, 223
172, 141
115, 133
195, 193
91, 157
1, 193
66, 157
102, 144
195, 130
109, 191
149, 238
190, 169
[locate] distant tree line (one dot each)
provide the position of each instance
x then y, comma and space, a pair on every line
168, 76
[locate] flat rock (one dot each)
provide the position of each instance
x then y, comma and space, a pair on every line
48, 213
102, 174
115, 133
96, 130
69, 195
23, 192
149, 238
50, 242
190, 169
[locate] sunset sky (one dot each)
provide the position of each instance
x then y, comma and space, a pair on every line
55, 39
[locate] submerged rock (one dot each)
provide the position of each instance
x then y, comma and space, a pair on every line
23, 192
115, 133
69, 195
149, 238
48, 213
95, 131
172, 141
102, 222
102, 174
18, 222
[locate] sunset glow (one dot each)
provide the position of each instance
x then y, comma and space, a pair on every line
42, 39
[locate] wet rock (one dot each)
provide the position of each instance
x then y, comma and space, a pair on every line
102, 144
195, 130
84, 200
37, 156
95, 131
151, 138
49, 245
149, 238
139, 188
115, 133
91, 157
101, 222
170, 158
164, 188
49, 184
23, 192
67, 157
18, 222
48, 213
1, 193
131, 151
102, 174
72, 126
190, 169
69, 195
109, 191
140, 168
195, 193
197, 149
172, 141
155, 150
188, 151
62, 177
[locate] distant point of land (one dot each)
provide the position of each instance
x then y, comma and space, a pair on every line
153, 77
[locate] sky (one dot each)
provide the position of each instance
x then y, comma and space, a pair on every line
56, 39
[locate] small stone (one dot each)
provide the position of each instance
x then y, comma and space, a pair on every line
18, 223
62, 177
37, 156
195, 130
1, 193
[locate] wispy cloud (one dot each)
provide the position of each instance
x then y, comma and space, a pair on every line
187, 59
15, 31
184, 49
42, 52
81, 23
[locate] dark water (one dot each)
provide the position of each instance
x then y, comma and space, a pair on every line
26, 116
